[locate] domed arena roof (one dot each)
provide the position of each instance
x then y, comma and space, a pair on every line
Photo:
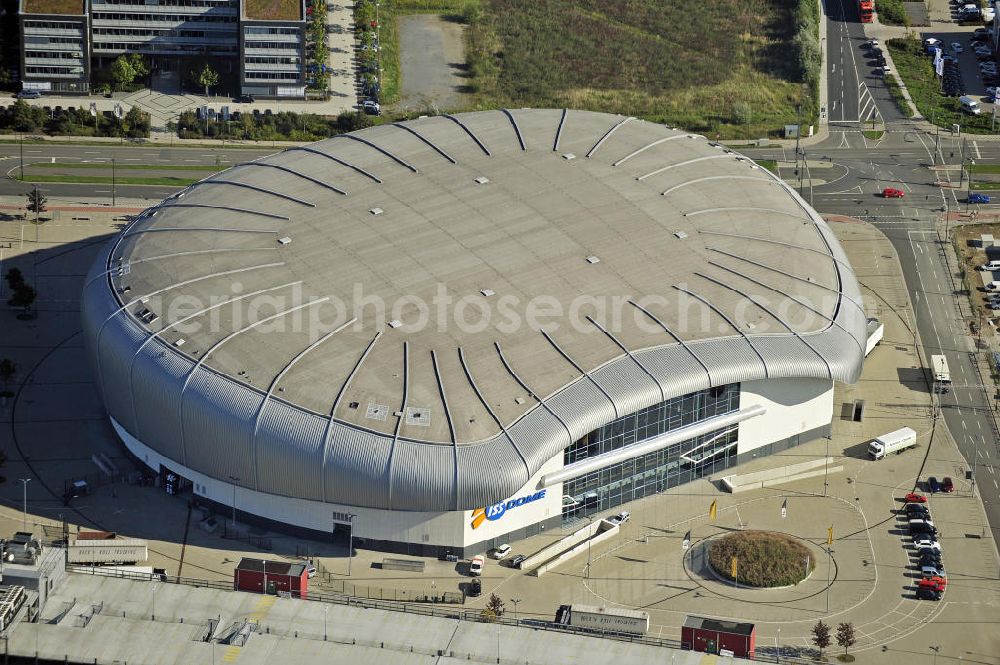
419, 315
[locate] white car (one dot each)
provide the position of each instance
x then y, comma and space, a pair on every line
956, 47
501, 552
923, 543
477, 565
873, 43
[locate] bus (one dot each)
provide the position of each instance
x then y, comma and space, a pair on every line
866, 8
942, 377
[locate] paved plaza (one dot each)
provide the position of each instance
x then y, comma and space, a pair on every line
55, 423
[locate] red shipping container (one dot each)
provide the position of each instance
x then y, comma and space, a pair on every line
271, 577
716, 635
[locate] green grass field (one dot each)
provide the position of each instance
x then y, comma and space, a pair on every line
727, 67
106, 180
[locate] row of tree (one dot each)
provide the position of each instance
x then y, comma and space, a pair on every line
845, 636
283, 126
24, 118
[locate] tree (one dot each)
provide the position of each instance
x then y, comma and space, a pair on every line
845, 636
23, 297
495, 605
821, 636
36, 202
15, 279
123, 72
7, 370
207, 77
139, 65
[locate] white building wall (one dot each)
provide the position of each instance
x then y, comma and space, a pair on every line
793, 406
452, 528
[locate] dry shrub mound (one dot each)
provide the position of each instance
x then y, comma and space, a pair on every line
764, 558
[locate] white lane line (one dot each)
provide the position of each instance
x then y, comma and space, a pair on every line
975, 146
995, 484
963, 425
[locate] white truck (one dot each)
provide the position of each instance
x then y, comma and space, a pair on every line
876, 329
893, 442
941, 374
89, 551
604, 619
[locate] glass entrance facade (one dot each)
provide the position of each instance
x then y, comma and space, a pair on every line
657, 471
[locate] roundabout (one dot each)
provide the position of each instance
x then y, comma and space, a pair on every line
767, 559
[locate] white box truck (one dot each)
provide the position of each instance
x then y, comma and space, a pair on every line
106, 551
876, 330
604, 619
893, 442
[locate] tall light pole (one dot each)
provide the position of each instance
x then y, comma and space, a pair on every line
112, 181
972, 163
235, 480
777, 645
828, 557
826, 465
326, 608
153, 613
515, 601
24, 482
350, 544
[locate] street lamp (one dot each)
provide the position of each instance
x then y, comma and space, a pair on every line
235, 480
777, 645
153, 613
326, 609
826, 465
972, 163
350, 544
515, 601
935, 649
24, 482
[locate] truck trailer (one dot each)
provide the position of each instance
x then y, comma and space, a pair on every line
893, 442
866, 10
88, 551
604, 619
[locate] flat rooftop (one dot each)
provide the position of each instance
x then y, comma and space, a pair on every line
273, 10
121, 629
68, 7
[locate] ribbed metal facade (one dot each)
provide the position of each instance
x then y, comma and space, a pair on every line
215, 423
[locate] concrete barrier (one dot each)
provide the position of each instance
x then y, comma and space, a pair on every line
561, 545
604, 531
782, 474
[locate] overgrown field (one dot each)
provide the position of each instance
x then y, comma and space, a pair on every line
764, 558
734, 67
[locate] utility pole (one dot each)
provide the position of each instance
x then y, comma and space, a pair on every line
22, 157
112, 181
826, 465
235, 480
972, 163
350, 545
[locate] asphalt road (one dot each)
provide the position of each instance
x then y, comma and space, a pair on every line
855, 170
10, 157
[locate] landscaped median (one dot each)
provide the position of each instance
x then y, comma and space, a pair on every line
171, 175
916, 69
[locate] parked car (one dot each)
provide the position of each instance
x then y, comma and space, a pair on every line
956, 47
501, 551
924, 593
477, 564
933, 485
245, 99
931, 571
873, 43
517, 560
917, 510
947, 485
620, 518
474, 589
29, 94
924, 541
892, 193
883, 71
371, 107
940, 582
980, 34
978, 198
311, 570
913, 497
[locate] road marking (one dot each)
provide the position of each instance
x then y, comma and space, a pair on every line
995, 484
963, 425
975, 146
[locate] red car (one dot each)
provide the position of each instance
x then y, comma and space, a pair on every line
947, 485
937, 583
913, 497
892, 193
